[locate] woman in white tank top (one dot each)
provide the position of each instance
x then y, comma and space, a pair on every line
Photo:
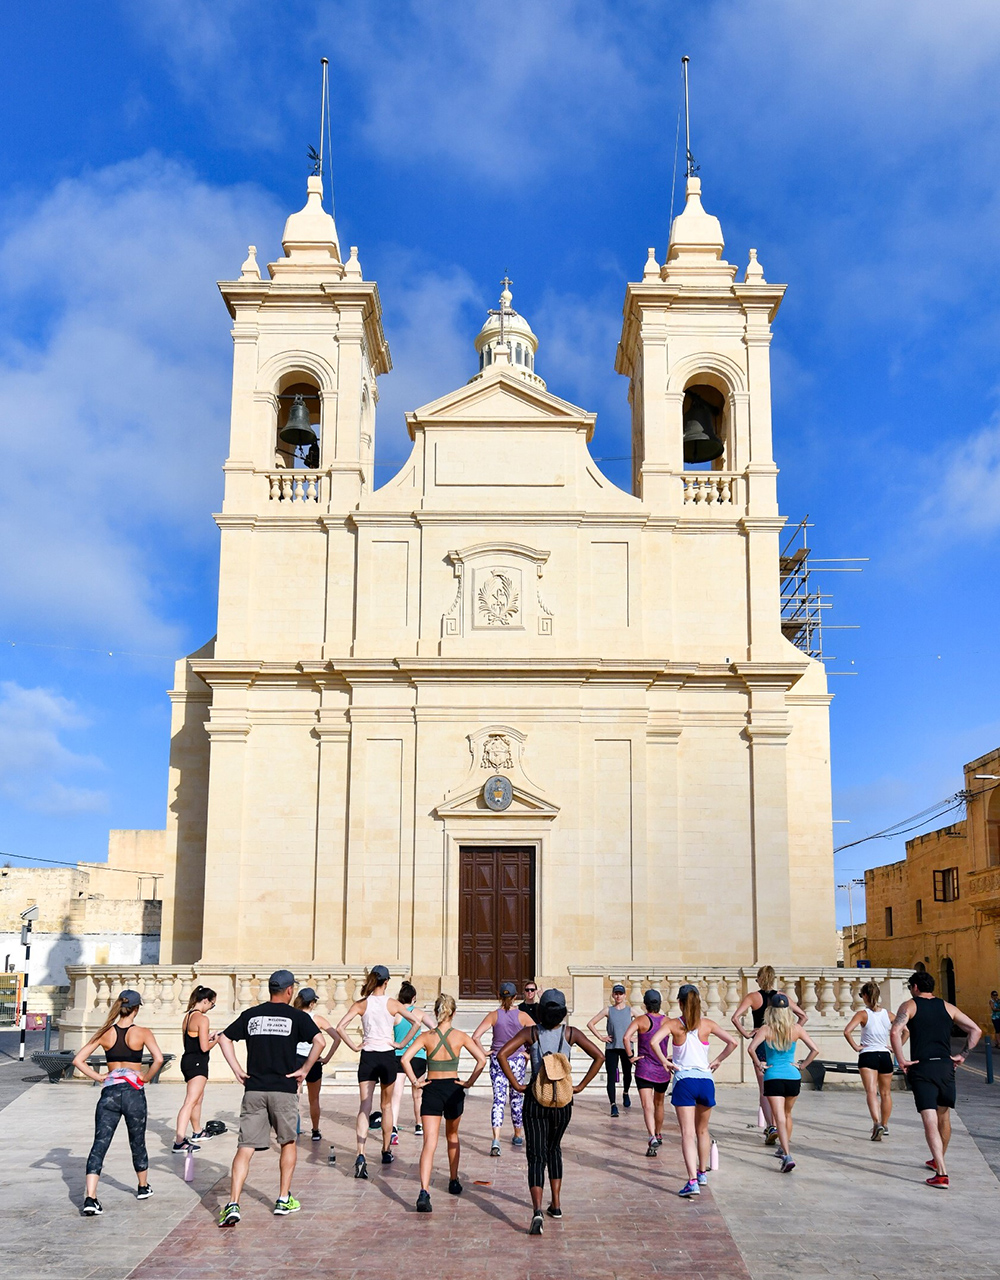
694, 1087
379, 1063
875, 1064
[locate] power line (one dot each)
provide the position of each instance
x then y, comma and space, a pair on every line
949, 805
98, 866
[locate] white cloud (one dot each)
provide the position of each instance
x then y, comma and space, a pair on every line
965, 490
34, 761
114, 410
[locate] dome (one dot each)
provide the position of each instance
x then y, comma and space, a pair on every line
507, 339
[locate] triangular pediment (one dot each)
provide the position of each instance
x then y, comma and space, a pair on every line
470, 804
499, 397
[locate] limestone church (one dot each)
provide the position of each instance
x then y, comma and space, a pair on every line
499, 717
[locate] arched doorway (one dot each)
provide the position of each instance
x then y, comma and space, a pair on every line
946, 988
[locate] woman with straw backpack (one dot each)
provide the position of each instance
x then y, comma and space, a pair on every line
548, 1102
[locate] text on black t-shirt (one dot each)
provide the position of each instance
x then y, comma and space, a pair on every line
272, 1032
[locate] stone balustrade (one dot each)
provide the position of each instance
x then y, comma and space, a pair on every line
299, 486
710, 489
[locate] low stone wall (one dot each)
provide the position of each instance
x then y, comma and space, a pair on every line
828, 995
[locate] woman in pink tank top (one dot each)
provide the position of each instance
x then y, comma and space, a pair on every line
506, 1022
651, 1077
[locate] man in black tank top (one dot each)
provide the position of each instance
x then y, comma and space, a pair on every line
930, 1072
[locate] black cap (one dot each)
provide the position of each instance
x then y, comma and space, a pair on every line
508, 989
688, 989
651, 996
130, 999
379, 971
618, 989
779, 1000
554, 998
307, 995
280, 979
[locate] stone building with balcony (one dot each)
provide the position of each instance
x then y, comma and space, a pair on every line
497, 717
939, 908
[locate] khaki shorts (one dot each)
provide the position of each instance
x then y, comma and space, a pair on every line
262, 1112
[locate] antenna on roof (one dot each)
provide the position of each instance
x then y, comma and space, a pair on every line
692, 168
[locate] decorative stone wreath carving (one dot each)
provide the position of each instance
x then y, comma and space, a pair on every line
492, 597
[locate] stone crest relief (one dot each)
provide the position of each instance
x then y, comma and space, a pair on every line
498, 601
496, 753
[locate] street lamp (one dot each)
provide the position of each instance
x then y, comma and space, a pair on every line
849, 886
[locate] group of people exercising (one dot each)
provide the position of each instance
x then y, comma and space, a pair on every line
531, 1044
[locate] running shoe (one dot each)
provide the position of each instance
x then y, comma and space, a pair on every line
554, 1211
424, 1202
143, 1193
317, 1136
201, 1136
361, 1168
651, 1148
184, 1146
286, 1205
690, 1189
787, 1164
770, 1136
454, 1187
702, 1177
885, 1131
537, 1223
418, 1129
876, 1133
626, 1101
92, 1207
939, 1180
394, 1140
517, 1141
494, 1148
375, 1120
614, 1112
931, 1164
229, 1215
387, 1157
659, 1139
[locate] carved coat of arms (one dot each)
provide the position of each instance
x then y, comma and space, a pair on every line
496, 753
498, 599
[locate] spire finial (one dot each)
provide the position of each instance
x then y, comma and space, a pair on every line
505, 309
250, 269
692, 168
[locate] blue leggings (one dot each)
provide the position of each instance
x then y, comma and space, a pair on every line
117, 1102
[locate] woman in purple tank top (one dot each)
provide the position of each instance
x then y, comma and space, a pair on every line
651, 1077
506, 1022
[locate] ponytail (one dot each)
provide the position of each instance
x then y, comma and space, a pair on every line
199, 994
690, 1003
118, 1010
372, 984
873, 993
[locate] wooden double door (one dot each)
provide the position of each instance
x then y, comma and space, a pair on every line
496, 917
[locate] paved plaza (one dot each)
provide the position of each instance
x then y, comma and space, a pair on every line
851, 1208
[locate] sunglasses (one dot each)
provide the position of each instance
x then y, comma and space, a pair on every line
527, 989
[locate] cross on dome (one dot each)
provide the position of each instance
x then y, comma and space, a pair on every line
506, 339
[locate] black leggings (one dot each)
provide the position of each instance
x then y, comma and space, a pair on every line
543, 1132
118, 1101
612, 1057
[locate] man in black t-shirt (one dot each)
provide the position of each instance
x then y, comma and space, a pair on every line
529, 1004
271, 1080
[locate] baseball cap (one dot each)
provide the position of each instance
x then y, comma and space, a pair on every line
307, 995
779, 1000
554, 998
652, 996
379, 971
130, 999
508, 989
280, 979
688, 989
618, 989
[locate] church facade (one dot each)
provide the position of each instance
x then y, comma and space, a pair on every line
499, 717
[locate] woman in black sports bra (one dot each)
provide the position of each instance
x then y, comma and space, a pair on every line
198, 1044
122, 1092
756, 1002
443, 1093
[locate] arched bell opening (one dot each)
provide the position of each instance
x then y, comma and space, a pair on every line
297, 427
706, 418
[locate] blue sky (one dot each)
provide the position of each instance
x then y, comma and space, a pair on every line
144, 146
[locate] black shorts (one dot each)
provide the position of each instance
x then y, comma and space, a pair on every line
417, 1065
315, 1071
879, 1060
782, 1088
442, 1098
932, 1083
658, 1086
194, 1064
378, 1064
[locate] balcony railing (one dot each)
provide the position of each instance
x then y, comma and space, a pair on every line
287, 485
711, 490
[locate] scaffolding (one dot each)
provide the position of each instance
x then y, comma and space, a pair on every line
802, 607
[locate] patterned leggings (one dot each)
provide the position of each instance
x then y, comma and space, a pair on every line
501, 1090
117, 1102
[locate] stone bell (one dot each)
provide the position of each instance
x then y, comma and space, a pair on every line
298, 430
701, 444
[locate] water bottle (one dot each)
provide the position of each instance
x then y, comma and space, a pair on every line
189, 1167
713, 1162
333, 1156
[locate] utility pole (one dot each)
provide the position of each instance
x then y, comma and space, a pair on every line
28, 917
849, 886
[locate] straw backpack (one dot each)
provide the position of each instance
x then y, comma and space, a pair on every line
553, 1085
